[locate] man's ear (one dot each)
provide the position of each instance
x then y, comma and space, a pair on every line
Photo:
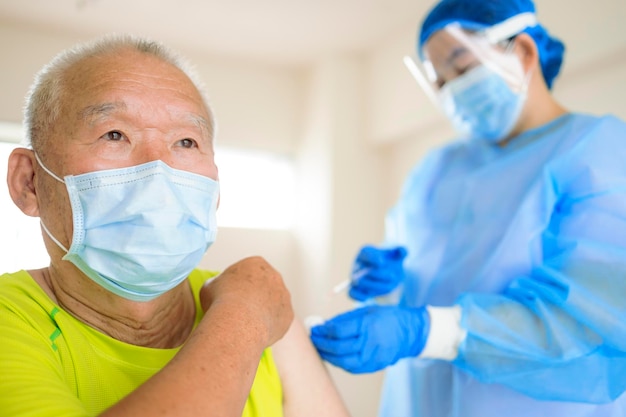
21, 181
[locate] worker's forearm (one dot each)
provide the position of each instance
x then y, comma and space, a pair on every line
210, 376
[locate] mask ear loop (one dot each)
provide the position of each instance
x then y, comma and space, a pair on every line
53, 175
509, 28
520, 84
54, 239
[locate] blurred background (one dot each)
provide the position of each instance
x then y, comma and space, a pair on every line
318, 119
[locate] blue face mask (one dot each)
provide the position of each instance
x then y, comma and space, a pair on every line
481, 105
139, 231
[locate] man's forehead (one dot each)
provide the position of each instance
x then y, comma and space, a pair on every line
94, 112
114, 66
99, 82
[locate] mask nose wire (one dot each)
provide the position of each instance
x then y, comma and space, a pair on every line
53, 175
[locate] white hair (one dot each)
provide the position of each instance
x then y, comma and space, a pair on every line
43, 101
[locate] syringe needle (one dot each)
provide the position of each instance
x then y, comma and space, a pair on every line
341, 286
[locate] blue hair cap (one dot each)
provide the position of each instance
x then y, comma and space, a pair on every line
479, 14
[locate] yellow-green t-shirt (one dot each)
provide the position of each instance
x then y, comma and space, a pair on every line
54, 365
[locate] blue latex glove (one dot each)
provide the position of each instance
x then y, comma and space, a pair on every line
371, 338
376, 271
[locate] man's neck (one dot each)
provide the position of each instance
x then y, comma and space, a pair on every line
164, 322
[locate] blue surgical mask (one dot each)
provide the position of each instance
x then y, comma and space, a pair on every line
139, 231
481, 105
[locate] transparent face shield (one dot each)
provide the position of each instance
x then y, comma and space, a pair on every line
453, 53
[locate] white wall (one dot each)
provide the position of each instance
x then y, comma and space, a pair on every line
256, 107
343, 181
25, 51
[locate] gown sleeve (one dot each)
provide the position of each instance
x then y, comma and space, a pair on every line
559, 333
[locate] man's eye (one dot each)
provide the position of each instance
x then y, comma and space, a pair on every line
113, 135
188, 143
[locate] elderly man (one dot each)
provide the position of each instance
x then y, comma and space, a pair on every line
122, 176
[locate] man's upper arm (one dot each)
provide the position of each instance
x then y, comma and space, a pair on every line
307, 387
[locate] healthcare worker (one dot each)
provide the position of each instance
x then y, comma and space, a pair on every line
506, 252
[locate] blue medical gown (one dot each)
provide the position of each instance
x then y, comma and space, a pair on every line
530, 240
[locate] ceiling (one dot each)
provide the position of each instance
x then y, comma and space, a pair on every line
296, 32
277, 31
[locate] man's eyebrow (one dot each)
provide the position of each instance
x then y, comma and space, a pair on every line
205, 125
97, 111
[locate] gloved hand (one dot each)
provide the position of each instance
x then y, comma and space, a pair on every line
376, 271
373, 337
